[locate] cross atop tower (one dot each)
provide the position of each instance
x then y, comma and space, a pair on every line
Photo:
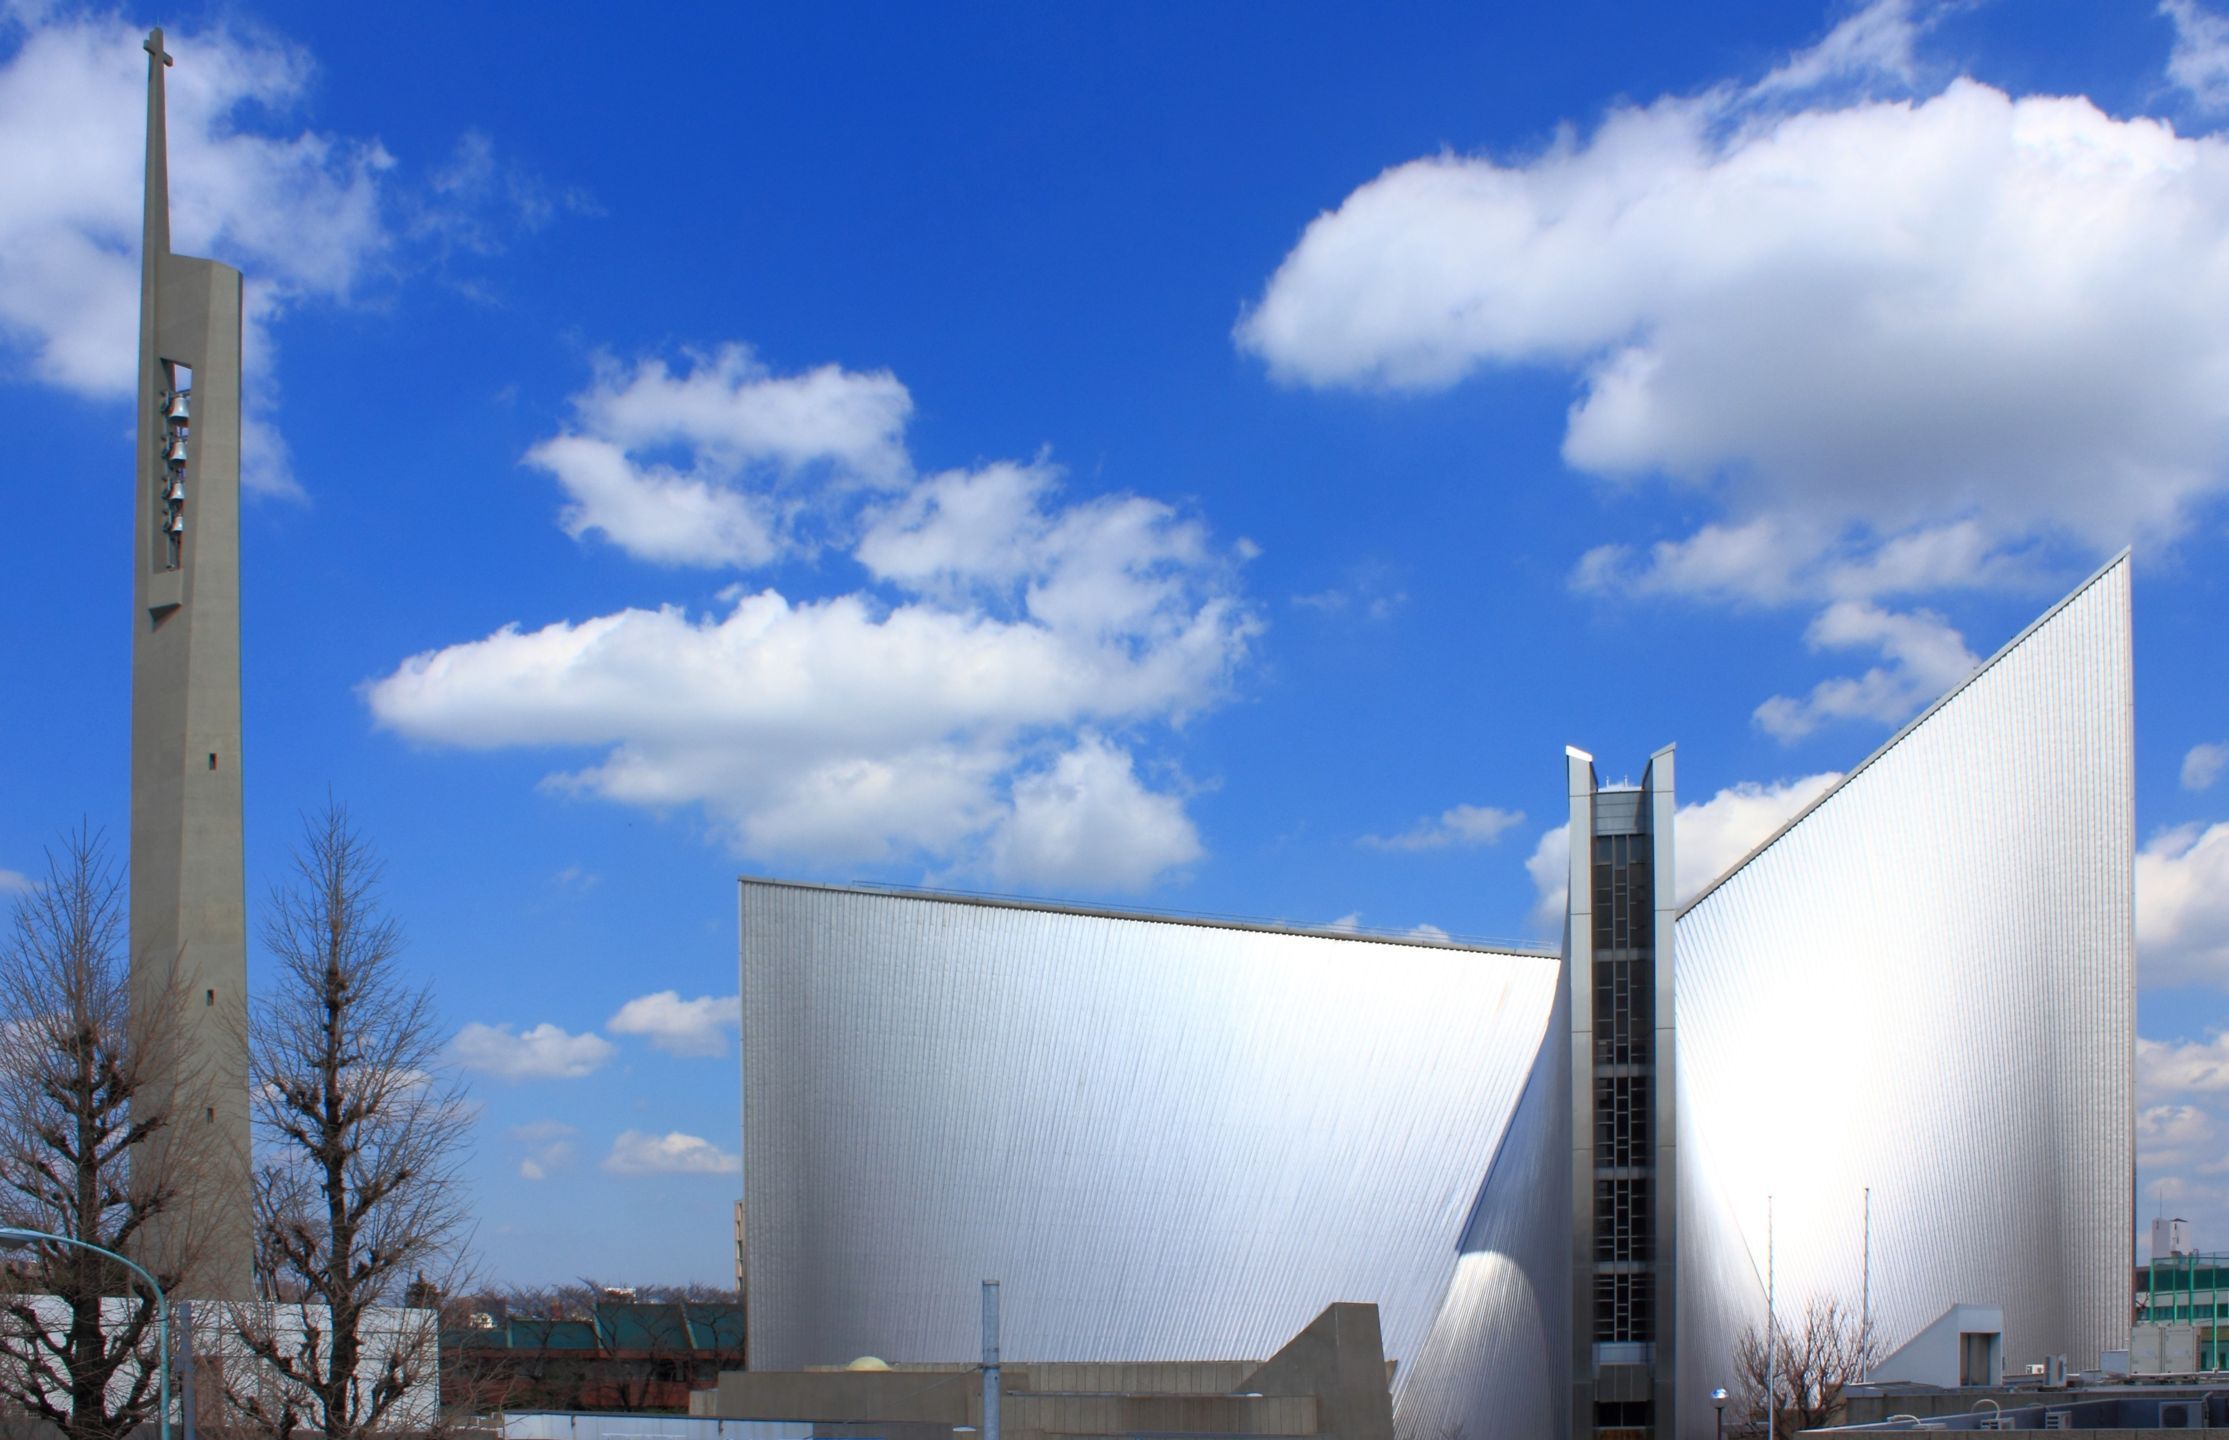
153, 44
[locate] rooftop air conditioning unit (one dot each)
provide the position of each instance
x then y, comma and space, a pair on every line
2058, 1419
2182, 1414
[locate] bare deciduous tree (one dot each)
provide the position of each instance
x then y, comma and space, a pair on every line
1812, 1361
77, 1337
362, 1132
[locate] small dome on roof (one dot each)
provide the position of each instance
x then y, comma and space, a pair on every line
868, 1362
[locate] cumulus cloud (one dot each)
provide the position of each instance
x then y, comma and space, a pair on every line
548, 1147
1923, 658
2182, 1089
1351, 924
2173, 1135
1878, 341
977, 703
1885, 314
14, 882
1709, 838
307, 216
1549, 865
1086, 821
759, 445
1716, 833
2182, 906
2199, 63
1460, 825
298, 211
829, 729
2203, 765
635, 1152
678, 1026
543, 1052
2179, 1069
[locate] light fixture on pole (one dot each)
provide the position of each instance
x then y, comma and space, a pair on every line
14, 1235
1772, 1337
1718, 1402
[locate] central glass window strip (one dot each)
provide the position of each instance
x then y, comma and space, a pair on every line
1622, 882
1621, 1306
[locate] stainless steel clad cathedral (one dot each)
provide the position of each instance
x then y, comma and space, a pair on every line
1890, 1051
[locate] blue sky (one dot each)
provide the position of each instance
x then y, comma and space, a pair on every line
1209, 459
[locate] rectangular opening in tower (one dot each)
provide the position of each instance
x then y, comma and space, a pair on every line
169, 509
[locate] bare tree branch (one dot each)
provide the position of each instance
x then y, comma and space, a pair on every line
1814, 1359
79, 1155
363, 1132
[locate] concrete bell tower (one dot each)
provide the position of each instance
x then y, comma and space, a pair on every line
188, 903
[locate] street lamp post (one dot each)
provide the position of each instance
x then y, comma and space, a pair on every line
12, 1235
1718, 1400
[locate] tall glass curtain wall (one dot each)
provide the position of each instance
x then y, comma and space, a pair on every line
1624, 1099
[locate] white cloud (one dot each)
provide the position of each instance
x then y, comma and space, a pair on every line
1715, 834
308, 217
1973, 322
1461, 825
2182, 906
298, 211
956, 709
1105, 567
2173, 1135
1370, 591
14, 882
678, 1026
1086, 821
1709, 838
826, 729
634, 1152
652, 511
759, 448
548, 1147
1549, 865
1877, 41
543, 1052
2182, 1087
477, 196
2180, 1069
2199, 63
1775, 559
1351, 924
1924, 656
2203, 765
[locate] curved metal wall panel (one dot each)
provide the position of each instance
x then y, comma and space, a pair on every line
1168, 1140
1925, 985
1498, 1359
